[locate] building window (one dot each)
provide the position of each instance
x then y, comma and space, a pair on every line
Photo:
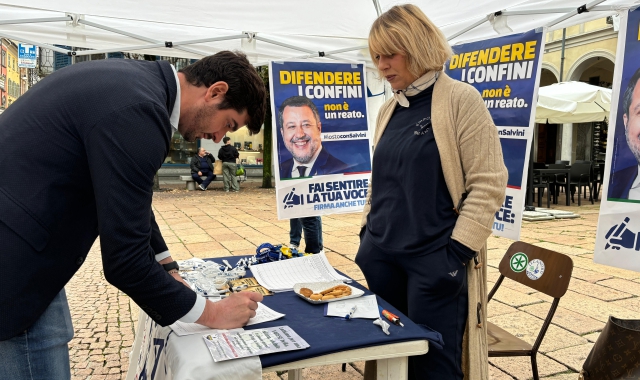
4, 58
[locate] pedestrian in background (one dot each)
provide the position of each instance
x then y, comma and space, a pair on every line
438, 178
202, 165
228, 154
312, 227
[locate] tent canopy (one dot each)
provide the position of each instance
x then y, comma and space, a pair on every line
572, 102
268, 30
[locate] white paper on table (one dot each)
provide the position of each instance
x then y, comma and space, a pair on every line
263, 314
225, 345
280, 276
367, 307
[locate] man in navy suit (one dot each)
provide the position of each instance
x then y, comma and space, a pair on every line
625, 183
300, 128
105, 129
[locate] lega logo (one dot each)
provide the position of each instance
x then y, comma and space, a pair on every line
292, 199
423, 126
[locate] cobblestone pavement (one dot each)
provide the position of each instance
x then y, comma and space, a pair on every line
216, 224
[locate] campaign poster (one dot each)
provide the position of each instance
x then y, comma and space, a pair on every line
617, 242
321, 137
505, 70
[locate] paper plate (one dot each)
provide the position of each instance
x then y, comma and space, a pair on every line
320, 286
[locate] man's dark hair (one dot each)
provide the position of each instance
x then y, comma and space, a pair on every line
225, 139
246, 88
297, 101
628, 93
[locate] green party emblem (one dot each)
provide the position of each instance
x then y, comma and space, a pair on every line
519, 262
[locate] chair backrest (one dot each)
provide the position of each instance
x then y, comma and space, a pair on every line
539, 165
557, 166
563, 162
578, 169
541, 269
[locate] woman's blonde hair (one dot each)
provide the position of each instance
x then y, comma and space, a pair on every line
406, 30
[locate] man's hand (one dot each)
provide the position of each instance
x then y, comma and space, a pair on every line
200, 173
232, 312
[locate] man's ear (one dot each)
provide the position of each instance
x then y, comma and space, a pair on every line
319, 127
217, 91
625, 118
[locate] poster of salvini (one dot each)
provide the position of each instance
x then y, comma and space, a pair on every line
505, 70
320, 137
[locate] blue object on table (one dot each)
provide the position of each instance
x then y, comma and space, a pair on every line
329, 335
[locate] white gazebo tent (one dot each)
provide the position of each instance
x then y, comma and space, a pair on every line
267, 30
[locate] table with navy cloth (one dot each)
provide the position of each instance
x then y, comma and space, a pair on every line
334, 340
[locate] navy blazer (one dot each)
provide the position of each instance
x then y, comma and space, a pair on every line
621, 182
78, 157
325, 164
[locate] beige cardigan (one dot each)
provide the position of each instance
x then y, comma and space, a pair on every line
471, 157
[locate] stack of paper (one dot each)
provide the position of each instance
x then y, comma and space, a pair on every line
263, 314
234, 344
280, 276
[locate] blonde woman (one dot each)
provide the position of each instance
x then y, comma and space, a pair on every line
438, 178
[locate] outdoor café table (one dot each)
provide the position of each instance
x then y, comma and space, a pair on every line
567, 185
331, 340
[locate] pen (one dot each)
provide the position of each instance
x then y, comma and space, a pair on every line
390, 316
350, 315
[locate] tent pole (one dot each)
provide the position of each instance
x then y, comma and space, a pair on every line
376, 5
581, 9
158, 45
35, 20
468, 28
315, 53
564, 36
31, 42
602, 8
136, 36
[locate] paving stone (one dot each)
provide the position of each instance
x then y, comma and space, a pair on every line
498, 308
513, 298
597, 291
333, 372
192, 239
593, 337
594, 308
588, 275
587, 263
235, 245
630, 303
352, 271
565, 376
526, 327
567, 319
563, 248
572, 357
520, 366
622, 285
336, 259
496, 374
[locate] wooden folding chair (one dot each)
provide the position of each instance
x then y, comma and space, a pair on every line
541, 269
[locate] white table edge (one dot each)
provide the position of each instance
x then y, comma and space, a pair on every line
387, 351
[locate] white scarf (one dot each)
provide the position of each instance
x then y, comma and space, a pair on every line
416, 87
